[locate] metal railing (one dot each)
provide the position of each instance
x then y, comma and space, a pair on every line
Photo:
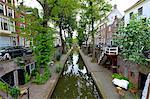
111, 50
7, 86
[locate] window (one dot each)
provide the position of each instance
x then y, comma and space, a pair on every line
5, 25
131, 14
132, 74
140, 11
9, 12
1, 9
1, 23
11, 26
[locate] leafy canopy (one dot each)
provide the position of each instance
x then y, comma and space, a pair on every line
134, 38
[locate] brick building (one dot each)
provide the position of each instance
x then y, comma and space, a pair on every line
109, 25
21, 41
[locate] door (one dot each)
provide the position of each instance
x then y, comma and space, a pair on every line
142, 80
21, 76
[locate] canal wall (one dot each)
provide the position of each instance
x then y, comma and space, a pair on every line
102, 78
55, 81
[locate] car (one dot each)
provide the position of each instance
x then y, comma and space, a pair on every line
4, 53
12, 52
27, 50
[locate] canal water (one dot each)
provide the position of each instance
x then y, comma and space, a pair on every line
75, 82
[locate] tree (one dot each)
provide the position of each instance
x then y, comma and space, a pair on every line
82, 26
42, 36
70, 25
133, 39
64, 15
96, 10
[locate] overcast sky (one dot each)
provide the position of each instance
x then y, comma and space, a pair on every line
121, 4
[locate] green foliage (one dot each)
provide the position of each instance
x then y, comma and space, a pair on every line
27, 77
38, 79
44, 48
119, 76
64, 16
41, 36
42, 78
134, 38
58, 55
131, 85
59, 68
3, 86
15, 91
92, 12
19, 61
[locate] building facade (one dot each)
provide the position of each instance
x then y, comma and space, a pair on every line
109, 26
141, 8
136, 73
7, 25
21, 41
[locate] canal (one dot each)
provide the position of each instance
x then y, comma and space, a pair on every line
75, 82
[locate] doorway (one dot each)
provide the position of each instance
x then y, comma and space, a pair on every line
21, 77
142, 80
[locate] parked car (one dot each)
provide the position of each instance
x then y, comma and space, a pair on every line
12, 52
26, 50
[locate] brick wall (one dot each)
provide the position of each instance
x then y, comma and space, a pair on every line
129, 69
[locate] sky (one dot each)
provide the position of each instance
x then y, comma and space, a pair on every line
121, 4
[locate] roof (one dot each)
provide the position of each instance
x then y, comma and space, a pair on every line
136, 4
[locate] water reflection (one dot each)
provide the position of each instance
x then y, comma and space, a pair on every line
75, 82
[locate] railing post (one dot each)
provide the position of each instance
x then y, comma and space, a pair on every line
28, 93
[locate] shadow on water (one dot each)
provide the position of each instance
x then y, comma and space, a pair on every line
75, 82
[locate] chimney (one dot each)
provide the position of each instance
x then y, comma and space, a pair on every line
115, 6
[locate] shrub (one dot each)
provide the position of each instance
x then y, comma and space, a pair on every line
58, 68
27, 77
130, 85
14, 92
119, 76
38, 79
42, 78
3, 86
34, 72
58, 56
